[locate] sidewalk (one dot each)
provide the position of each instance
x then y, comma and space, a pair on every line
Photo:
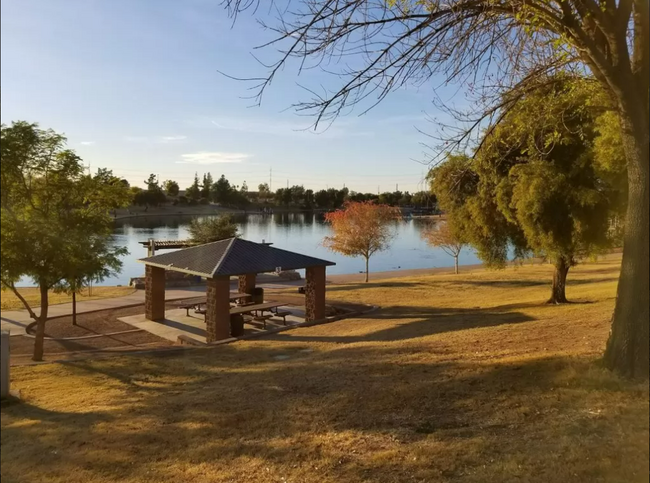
16, 321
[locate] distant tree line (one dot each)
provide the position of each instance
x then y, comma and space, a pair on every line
205, 190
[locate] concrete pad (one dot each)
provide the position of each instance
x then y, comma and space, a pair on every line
16, 321
177, 323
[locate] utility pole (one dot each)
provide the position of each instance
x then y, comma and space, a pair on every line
287, 184
271, 179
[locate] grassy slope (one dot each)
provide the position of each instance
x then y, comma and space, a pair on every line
456, 379
33, 296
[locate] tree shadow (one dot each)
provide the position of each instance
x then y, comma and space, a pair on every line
429, 321
363, 285
527, 283
244, 413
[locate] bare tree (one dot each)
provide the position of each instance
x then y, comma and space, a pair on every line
442, 236
490, 47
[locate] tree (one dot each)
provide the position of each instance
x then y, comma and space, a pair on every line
308, 199
212, 229
222, 191
55, 219
206, 186
534, 187
443, 236
361, 229
297, 193
171, 188
153, 195
283, 196
494, 47
264, 191
322, 199
194, 191
95, 265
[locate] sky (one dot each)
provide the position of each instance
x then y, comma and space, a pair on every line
136, 87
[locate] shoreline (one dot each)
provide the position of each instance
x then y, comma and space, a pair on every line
214, 211
343, 278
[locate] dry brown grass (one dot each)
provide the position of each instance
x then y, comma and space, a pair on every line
457, 379
33, 296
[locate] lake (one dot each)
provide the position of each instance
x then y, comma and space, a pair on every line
299, 232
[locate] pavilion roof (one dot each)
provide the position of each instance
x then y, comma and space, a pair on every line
232, 256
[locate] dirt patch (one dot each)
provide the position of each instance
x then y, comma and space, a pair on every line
103, 322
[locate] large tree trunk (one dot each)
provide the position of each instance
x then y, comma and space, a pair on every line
628, 346
456, 264
367, 263
74, 308
558, 290
40, 325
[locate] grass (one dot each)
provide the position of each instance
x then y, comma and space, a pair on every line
10, 302
465, 378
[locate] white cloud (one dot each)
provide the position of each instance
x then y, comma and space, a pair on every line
171, 139
212, 157
156, 139
87, 143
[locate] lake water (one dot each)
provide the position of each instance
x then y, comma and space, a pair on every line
299, 232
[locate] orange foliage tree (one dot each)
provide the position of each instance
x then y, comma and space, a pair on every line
361, 229
442, 236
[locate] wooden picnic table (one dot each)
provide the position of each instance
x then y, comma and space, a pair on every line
252, 308
197, 305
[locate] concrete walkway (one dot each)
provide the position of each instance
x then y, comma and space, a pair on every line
16, 321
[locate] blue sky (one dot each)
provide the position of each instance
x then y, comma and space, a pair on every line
135, 87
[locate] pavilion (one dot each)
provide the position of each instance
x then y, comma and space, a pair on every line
220, 260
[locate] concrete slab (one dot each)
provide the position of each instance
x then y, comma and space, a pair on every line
16, 321
177, 323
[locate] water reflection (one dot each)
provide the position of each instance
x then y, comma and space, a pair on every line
301, 232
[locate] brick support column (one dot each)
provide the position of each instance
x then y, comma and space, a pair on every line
154, 293
247, 283
315, 293
217, 315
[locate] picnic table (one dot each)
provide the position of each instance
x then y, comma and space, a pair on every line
259, 310
197, 305
266, 306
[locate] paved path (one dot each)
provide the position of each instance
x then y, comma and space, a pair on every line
16, 321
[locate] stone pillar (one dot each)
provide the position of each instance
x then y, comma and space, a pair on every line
247, 283
217, 309
315, 293
154, 293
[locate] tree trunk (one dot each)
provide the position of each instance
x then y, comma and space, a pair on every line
40, 325
74, 308
558, 290
627, 349
367, 260
456, 264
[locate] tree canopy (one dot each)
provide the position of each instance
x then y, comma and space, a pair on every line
56, 223
361, 229
212, 229
536, 188
444, 236
490, 47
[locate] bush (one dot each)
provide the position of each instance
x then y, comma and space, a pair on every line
204, 201
212, 229
192, 202
182, 200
